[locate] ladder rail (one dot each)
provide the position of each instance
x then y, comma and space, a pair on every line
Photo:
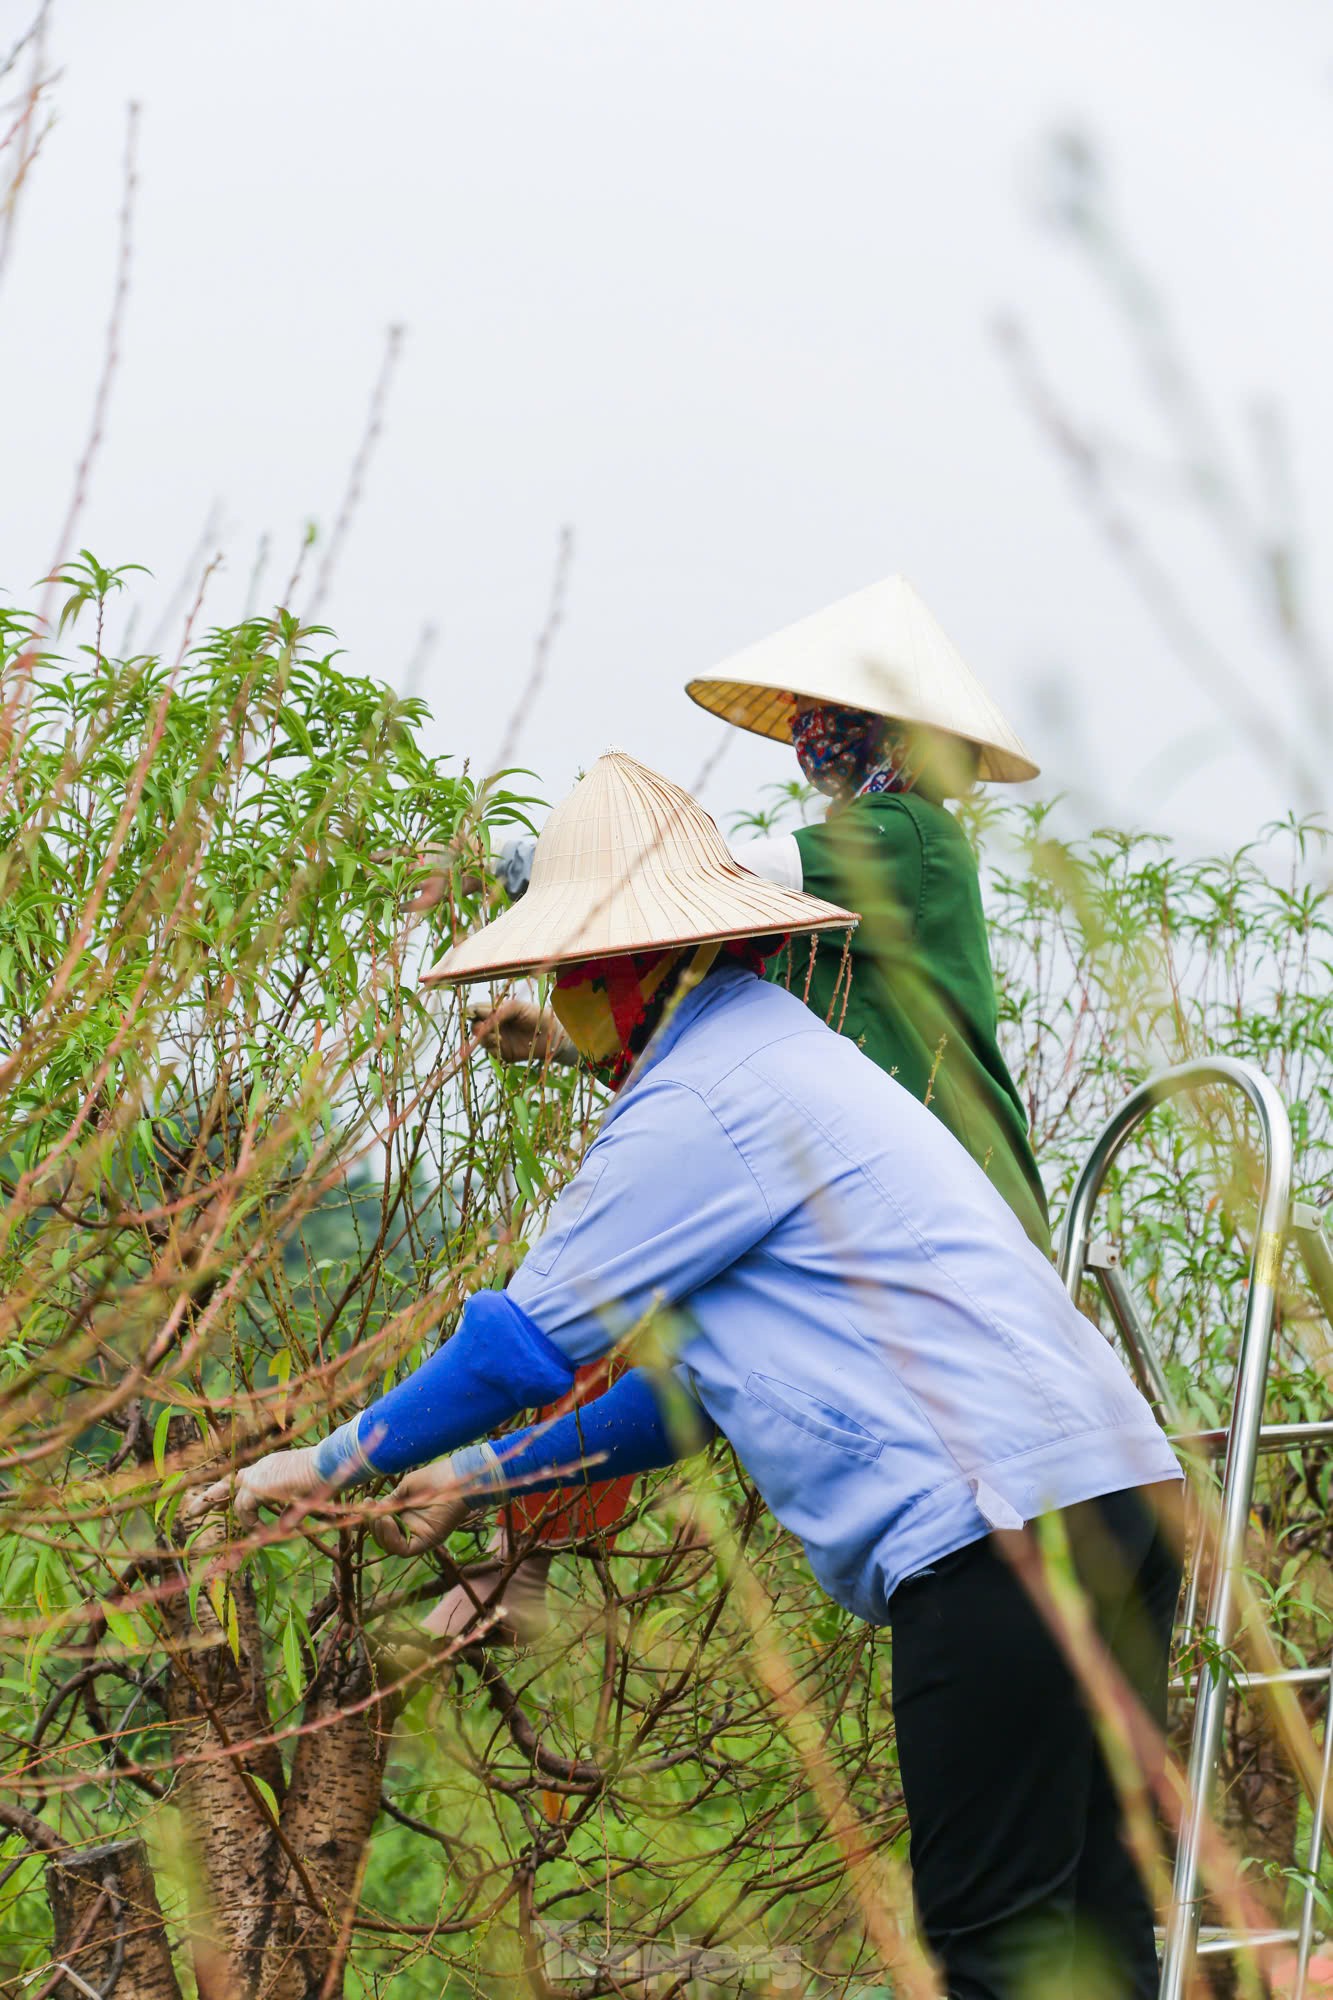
1305, 1941
1103, 1262
1182, 1929
1307, 1231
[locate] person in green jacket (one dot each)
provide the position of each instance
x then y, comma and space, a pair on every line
887, 722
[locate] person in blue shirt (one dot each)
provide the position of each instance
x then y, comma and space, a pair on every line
887, 721
849, 1302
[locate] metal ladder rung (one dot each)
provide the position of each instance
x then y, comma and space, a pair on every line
1287, 1677
1219, 1944
1272, 1437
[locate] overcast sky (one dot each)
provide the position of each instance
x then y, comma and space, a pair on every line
715, 283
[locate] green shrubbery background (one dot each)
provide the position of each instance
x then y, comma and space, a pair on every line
247, 1172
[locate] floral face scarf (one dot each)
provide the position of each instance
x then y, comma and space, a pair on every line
844, 752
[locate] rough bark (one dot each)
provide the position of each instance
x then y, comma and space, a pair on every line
273, 1904
108, 1925
331, 1805
218, 1706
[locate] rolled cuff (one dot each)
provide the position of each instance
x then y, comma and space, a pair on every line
498, 1363
339, 1459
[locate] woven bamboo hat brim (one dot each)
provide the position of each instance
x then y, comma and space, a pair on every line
629, 862
879, 650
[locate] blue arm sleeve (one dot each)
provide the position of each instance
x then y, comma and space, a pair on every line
631, 1428
497, 1363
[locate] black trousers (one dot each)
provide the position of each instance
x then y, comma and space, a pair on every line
1024, 1887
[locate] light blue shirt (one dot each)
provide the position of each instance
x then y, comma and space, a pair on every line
897, 1367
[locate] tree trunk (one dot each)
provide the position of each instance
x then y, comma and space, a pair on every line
272, 1921
217, 1700
108, 1925
327, 1819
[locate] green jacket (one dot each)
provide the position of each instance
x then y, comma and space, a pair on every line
921, 996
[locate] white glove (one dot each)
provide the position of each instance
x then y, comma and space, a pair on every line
521, 1615
274, 1481
429, 1504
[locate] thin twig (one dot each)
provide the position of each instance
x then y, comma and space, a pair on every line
21, 136
357, 475
541, 651
110, 362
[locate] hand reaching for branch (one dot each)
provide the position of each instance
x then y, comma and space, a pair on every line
272, 1481
429, 1504
437, 862
432, 891
520, 1031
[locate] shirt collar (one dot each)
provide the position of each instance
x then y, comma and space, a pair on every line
712, 991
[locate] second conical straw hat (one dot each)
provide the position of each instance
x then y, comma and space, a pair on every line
629, 862
879, 650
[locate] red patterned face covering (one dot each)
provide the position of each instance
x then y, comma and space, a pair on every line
609, 1006
600, 1002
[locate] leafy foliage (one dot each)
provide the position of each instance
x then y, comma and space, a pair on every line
247, 1171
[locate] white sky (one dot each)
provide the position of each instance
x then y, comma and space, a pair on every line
714, 282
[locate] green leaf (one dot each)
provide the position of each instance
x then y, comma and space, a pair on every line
168, 1502
160, 1429
527, 1173
38, 1649
121, 1626
268, 1795
280, 1367
291, 1657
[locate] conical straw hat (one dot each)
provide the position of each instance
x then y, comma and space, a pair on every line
629, 862
879, 650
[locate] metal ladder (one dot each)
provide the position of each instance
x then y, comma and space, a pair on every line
1081, 1257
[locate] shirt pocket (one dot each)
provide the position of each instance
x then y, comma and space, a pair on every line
809, 1414
566, 1216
